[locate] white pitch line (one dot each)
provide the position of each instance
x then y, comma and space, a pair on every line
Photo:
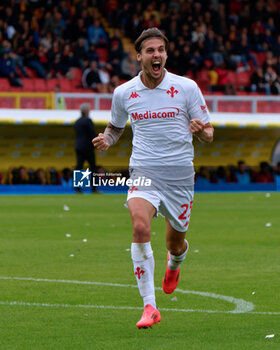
241, 306
111, 307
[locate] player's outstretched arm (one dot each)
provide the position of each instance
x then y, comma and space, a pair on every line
111, 136
204, 132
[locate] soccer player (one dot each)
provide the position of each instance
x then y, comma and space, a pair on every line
165, 110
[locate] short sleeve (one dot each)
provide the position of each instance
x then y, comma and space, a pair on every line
197, 107
119, 115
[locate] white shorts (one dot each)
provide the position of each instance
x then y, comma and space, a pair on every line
174, 205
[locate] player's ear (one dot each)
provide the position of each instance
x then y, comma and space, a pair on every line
138, 57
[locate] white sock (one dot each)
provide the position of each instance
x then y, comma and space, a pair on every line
176, 260
144, 264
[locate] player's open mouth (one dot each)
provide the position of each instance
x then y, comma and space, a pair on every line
156, 66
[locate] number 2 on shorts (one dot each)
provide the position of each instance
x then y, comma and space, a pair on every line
182, 216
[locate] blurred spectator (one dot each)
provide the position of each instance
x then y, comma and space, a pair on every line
78, 30
16, 59
40, 177
66, 61
223, 81
92, 55
7, 69
115, 57
202, 177
151, 13
52, 176
97, 35
31, 59
91, 78
116, 37
31, 176
265, 175
277, 175
221, 176
272, 80
2, 178
104, 76
80, 53
66, 179
213, 79
114, 82
129, 66
259, 83
242, 173
19, 176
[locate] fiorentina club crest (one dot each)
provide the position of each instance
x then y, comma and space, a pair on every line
139, 272
172, 92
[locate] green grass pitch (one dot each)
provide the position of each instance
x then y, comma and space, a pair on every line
234, 251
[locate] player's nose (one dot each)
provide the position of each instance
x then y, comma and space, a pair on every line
156, 53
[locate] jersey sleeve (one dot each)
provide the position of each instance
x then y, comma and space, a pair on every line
197, 107
119, 115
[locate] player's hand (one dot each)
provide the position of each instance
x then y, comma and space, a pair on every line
100, 142
196, 127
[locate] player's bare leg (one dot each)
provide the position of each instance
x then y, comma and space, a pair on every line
177, 247
142, 213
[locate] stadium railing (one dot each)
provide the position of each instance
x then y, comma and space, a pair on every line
67, 100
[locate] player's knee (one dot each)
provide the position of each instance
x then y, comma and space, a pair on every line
141, 231
175, 247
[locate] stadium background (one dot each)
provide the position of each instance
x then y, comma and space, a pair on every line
46, 55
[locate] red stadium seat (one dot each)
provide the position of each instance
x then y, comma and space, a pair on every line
232, 77
102, 54
76, 73
40, 85
202, 79
208, 63
51, 84
28, 84
243, 79
65, 85
31, 73
5, 84
76, 85
16, 89
261, 57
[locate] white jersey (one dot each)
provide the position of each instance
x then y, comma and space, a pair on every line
160, 119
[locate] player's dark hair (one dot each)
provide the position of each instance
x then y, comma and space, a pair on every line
148, 34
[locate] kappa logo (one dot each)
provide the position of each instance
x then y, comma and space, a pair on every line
172, 91
134, 95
